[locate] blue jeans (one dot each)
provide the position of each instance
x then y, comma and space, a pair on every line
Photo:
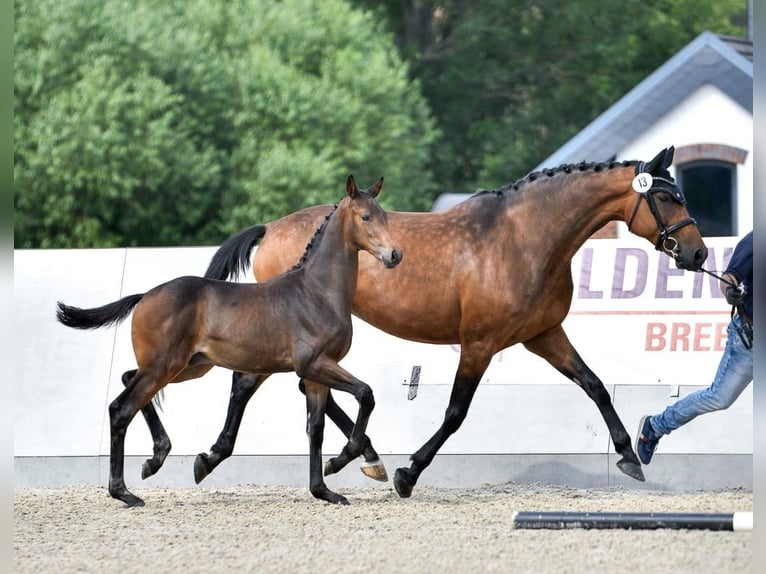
735, 372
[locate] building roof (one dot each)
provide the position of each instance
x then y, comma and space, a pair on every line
724, 61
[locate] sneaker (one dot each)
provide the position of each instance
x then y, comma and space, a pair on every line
646, 440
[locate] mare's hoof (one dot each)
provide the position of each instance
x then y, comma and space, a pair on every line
328, 469
201, 469
374, 469
632, 469
403, 483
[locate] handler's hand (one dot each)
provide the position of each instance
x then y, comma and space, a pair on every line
734, 296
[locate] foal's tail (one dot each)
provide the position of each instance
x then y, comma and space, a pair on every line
98, 316
233, 256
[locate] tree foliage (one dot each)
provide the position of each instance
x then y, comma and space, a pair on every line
166, 122
510, 81
177, 122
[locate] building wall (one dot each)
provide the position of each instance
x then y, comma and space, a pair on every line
706, 116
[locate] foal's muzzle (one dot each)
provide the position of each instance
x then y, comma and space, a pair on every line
392, 259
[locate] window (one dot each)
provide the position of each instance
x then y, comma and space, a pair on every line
707, 173
710, 190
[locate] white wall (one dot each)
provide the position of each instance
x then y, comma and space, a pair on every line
65, 378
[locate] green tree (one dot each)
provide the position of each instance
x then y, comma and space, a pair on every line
178, 122
510, 81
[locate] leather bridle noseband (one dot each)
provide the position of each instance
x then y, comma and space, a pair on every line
664, 240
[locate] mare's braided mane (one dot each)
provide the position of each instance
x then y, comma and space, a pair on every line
566, 168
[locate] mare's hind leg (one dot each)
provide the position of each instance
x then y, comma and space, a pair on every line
372, 467
160, 437
243, 386
316, 398
474, 360
554, 347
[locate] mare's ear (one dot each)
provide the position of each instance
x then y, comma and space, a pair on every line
657, 161
375, 189
668, 157
661, 161
351, 189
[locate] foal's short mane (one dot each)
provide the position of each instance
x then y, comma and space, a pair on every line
566, 168
314, 238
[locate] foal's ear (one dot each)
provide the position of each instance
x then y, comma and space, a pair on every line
375, 189
351, 189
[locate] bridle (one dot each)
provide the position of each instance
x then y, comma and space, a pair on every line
646, 186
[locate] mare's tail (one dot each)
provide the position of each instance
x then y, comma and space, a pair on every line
98, 316
233, 256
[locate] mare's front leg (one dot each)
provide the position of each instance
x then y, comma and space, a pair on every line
316, 398
372, 467
243, 387
160, 436
474, 360
554, 347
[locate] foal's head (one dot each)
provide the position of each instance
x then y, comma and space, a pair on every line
366, 223
665, 219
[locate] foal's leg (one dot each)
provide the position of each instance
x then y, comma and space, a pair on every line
328, 372
121, 412
316, 398
243, 386
554, 347
474, 360
159, 435
372, 467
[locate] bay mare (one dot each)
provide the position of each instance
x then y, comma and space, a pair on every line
298, 321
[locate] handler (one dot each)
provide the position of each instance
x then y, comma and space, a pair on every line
735, 370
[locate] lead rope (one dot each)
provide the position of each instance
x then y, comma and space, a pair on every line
745, 331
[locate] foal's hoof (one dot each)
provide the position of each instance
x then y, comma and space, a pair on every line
130, 500
403, 482
632, 469
201, 469
330, 496
148, 469
374, 469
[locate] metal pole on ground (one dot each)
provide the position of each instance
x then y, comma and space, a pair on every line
736, 521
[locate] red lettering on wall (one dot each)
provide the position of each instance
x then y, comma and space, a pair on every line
680, 336
655, 336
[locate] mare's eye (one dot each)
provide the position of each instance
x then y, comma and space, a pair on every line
663, 197
366, 217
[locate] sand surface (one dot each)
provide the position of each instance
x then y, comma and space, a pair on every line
285, 530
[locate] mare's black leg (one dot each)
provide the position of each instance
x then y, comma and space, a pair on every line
243, 386
121, 412
474, 360
159, 435
373, 467
316, 397
554, 347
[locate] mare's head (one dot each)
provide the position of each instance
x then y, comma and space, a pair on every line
663, 217
366, 223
